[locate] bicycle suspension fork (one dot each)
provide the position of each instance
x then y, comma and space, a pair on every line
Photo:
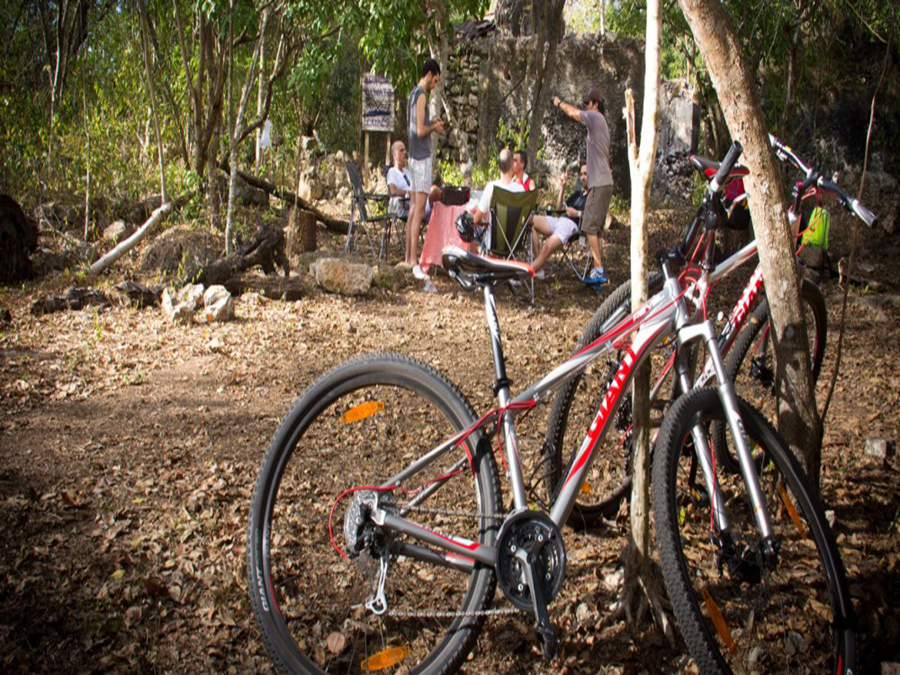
501, 391
706, 331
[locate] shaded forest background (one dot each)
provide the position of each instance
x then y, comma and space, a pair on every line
105, 103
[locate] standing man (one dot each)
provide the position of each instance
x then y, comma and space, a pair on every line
421, 126
600, 183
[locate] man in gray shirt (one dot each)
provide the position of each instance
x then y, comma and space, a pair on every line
600, 183
421, 126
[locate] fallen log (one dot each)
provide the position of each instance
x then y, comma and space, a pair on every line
277, 288
76, 298
266, 249
335, 225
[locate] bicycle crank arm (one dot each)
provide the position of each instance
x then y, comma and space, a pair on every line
546, 633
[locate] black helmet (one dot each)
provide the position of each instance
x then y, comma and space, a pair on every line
465, 226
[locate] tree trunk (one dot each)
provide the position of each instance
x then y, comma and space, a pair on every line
151, 89
260, 100
236, 128
798, 419
638, 569
549, 34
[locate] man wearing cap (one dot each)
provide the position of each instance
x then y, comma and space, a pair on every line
600, 183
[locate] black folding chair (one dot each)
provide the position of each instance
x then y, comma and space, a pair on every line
366, 208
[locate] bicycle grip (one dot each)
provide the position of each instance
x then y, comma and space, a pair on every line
864, 214
725, 168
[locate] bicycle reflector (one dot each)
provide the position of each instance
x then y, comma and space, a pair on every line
362, 411
385, 659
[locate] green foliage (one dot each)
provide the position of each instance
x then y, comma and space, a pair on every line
512, 136
482, 174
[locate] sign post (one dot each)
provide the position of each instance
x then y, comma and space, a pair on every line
377, 112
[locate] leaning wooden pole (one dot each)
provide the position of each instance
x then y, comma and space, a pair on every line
133, 240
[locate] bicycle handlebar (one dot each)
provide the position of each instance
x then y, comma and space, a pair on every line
849, 201
784, 152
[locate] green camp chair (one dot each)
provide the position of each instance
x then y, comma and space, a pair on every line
510, 233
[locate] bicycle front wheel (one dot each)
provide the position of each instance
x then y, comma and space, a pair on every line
751, 361
356, 427
735, 610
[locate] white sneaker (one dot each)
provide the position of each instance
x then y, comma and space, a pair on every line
539, 274
418, 273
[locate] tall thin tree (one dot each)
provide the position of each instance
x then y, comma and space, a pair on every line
734, 81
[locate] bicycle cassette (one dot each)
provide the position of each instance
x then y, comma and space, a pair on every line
533, 533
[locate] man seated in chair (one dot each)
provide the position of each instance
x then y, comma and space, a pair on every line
520, 161
558, 230
505, 164
399, 184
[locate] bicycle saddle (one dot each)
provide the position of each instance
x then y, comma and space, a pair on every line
470, 269
708, 167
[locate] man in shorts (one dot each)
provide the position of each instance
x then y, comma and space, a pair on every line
600, 182
558, 231
421, 126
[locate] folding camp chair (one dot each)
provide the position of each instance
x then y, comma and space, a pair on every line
577, 252
362, 206
510, 232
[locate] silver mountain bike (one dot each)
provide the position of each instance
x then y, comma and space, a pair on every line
379, 529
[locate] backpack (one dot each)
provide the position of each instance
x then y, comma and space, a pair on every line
816, 232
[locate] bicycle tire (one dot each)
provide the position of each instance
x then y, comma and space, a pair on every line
303, 594
574, 407
750, 363
809, 625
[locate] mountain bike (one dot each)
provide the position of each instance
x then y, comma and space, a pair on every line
378, 529
610, 480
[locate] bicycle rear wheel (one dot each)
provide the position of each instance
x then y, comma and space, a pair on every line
751, 361
734, 611
357, 427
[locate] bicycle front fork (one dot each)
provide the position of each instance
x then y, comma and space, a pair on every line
706, 332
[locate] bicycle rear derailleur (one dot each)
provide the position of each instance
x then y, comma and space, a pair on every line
368, 544
531, 567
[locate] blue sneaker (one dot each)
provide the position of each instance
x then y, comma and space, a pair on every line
597, 277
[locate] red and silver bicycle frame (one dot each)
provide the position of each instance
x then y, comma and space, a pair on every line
662, 316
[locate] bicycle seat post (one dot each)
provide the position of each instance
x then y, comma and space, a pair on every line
501, 391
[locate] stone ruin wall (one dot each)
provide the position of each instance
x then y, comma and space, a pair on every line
485, 83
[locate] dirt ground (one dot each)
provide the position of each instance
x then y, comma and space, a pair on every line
129, 447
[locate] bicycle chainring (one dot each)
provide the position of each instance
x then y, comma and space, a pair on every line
534, 532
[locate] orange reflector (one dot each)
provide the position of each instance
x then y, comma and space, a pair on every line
792, 510
386, 659
718, 620
585, 488
362, 411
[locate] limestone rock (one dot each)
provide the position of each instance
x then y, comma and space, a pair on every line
117, 232
191, 295
339, 276
215, 294
177, 312
220, 311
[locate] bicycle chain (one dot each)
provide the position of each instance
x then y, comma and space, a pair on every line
440, 614
452, 615
450, 512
